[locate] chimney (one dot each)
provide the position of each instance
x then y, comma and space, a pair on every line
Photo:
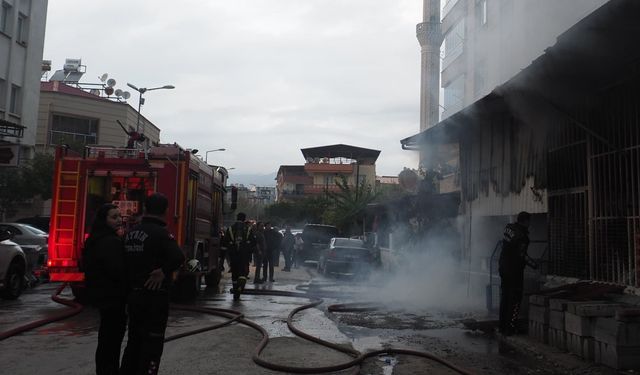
429, 34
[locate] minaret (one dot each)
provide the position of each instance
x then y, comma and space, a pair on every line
429, 35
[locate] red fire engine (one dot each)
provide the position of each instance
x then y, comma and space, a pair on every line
125, 177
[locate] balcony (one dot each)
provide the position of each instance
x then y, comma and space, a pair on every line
320, 189
328, 168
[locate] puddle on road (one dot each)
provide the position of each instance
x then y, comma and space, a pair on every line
389, 364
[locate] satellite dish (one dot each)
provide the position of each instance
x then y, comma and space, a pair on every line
119, 92
103, 77
95, 92
126, 95
111, 82
108, 91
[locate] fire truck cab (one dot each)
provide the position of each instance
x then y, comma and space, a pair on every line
125, 177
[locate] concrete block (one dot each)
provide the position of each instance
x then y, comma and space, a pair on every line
572, 306
539, 300
628, 314
584, 347
556, 319
579, 325
618, 357
597, 309
558, 338
558, 304
615, 332
539, 331
539, 314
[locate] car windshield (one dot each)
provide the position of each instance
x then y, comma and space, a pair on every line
347, 242
32, 230
320, 233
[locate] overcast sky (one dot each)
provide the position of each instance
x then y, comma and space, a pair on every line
261, 78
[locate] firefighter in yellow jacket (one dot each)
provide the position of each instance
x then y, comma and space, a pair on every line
239, 243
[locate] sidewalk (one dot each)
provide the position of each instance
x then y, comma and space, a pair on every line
560, 360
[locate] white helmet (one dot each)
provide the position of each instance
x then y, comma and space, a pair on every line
193, 266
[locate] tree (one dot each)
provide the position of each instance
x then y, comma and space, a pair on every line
31, 179
349, 205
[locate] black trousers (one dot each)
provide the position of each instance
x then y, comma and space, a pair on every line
258, 260
148, 314
288, 258
267, 264
113, 324
511, 290
239, 265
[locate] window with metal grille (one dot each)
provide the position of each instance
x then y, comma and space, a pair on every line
66, 129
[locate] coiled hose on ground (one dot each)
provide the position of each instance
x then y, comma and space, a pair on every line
234, 316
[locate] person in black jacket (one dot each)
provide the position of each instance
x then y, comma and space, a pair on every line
105, 281
239, 243
151, 257
513, 260
273, 239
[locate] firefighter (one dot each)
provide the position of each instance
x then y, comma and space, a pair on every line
513, 260
239, 243
151, 257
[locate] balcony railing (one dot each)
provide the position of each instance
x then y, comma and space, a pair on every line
328, 168
321, 188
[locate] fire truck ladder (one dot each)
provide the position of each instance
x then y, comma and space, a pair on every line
65, 213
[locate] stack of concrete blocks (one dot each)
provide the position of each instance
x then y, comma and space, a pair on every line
617, 340
557, 333
539, 317
580, 322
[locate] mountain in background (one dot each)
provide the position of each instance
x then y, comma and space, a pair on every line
253, 179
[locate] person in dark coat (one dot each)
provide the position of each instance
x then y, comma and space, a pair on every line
239, 243
103, 263
152, 255
273, 239
288, 241
513, 260
261, 249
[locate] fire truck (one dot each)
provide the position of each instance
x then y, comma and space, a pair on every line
125, 177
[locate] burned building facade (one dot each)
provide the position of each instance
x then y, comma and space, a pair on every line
560, 139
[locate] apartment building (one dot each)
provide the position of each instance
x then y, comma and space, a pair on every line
22, 29
487, 42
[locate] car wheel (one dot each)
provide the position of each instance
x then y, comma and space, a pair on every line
14, 282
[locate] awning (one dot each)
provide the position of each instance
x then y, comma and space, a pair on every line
595, 54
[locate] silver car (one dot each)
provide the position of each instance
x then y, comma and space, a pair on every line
13, 265
34, 243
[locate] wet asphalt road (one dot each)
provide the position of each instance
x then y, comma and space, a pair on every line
67, 347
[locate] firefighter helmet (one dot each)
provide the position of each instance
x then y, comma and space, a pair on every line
193, 266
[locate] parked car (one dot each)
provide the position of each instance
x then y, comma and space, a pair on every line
346, 255
13, 266
34, 243
40, 222
316, 237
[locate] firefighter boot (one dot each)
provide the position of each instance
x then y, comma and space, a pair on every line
242, 281
235, 290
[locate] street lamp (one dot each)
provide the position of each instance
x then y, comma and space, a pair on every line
141, 91
206, 154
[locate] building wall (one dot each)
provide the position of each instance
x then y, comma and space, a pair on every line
487, 54
106, 111
20, 65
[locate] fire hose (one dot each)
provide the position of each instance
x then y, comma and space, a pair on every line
234, 316
76, 308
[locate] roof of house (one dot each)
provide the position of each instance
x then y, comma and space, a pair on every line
362, 155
